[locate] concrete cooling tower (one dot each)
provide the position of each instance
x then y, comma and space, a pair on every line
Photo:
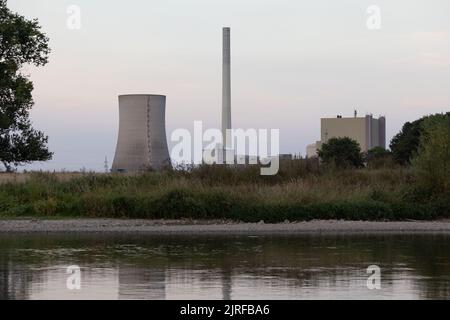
142, 142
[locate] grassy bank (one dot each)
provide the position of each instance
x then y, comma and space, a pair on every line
302, 191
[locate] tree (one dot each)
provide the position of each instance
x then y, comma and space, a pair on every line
406, 143
378, 157
432, 162
343, 152
21, 42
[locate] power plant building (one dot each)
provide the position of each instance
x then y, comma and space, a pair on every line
142, 143
367, 131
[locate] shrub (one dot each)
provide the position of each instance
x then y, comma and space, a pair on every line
379, 157
432, 163
47, 207
342, 152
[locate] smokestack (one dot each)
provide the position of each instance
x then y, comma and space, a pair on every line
226, 88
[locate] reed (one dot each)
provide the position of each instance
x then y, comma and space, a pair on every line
301, 191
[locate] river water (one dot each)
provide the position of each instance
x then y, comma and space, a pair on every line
415, 266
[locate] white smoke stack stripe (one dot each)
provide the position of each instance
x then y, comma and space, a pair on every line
226, 88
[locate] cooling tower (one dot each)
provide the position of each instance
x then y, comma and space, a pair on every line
142, 140
226, 87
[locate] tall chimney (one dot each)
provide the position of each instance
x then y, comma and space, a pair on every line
226, 88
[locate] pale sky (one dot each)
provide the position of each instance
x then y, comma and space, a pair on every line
293, 62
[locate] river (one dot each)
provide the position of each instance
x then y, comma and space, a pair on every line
412, 266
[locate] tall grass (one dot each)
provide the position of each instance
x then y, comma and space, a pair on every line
301, 191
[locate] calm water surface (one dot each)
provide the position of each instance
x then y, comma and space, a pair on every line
233, 267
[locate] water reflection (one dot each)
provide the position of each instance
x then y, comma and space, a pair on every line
290, 267
140, 283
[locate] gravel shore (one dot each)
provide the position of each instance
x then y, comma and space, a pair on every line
189, 227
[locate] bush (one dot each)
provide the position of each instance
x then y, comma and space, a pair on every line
432, 163
378, 157
342, 152
47, 207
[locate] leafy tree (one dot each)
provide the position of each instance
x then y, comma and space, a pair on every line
406, 143
432, 162
343, 152
378, 157
378, 152
21, 42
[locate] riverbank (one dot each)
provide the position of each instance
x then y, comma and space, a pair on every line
302, 191
215, 227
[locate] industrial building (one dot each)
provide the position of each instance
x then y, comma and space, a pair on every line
367, 131
142, 143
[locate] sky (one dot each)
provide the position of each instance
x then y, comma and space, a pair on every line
293, 62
